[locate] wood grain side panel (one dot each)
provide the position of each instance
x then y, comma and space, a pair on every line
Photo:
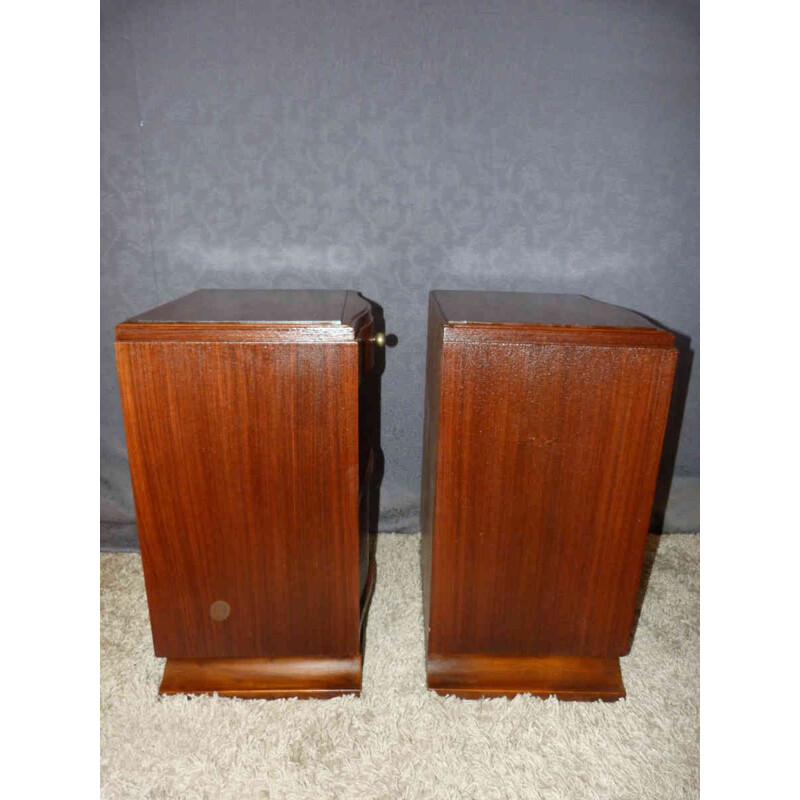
430, 450
244, 461
547, 463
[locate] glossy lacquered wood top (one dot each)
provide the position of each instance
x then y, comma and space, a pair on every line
257, 305
526, 317
252, 315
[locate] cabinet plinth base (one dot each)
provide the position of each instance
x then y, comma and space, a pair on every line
566, 677
266, 678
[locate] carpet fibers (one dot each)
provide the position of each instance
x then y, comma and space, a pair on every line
398, 740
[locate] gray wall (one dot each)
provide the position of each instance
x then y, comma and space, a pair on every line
395, 147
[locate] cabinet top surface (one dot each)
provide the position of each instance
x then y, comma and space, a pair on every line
526, 308
259, 306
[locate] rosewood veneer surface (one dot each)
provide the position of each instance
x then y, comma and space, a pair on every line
544, 421
242, 424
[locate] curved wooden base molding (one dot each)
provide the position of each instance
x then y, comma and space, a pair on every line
267, 678
566, 677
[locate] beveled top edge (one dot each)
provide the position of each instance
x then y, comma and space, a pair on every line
315, 307
538, 311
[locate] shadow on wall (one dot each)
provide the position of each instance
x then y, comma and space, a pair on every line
677, 406
666, 469
370, 414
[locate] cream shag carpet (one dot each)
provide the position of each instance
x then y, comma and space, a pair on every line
398, 740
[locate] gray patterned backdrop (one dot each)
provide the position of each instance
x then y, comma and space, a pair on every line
392, 147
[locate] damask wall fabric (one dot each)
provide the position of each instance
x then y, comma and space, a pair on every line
393, 148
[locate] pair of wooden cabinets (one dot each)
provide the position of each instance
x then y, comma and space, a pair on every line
252, 420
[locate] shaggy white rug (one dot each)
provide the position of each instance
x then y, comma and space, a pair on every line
398, 740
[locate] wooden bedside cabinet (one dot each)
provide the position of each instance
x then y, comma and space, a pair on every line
250, 479
544, 420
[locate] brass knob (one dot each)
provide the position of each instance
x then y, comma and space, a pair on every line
379, 339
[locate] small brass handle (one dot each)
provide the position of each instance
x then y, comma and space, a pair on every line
379, 339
